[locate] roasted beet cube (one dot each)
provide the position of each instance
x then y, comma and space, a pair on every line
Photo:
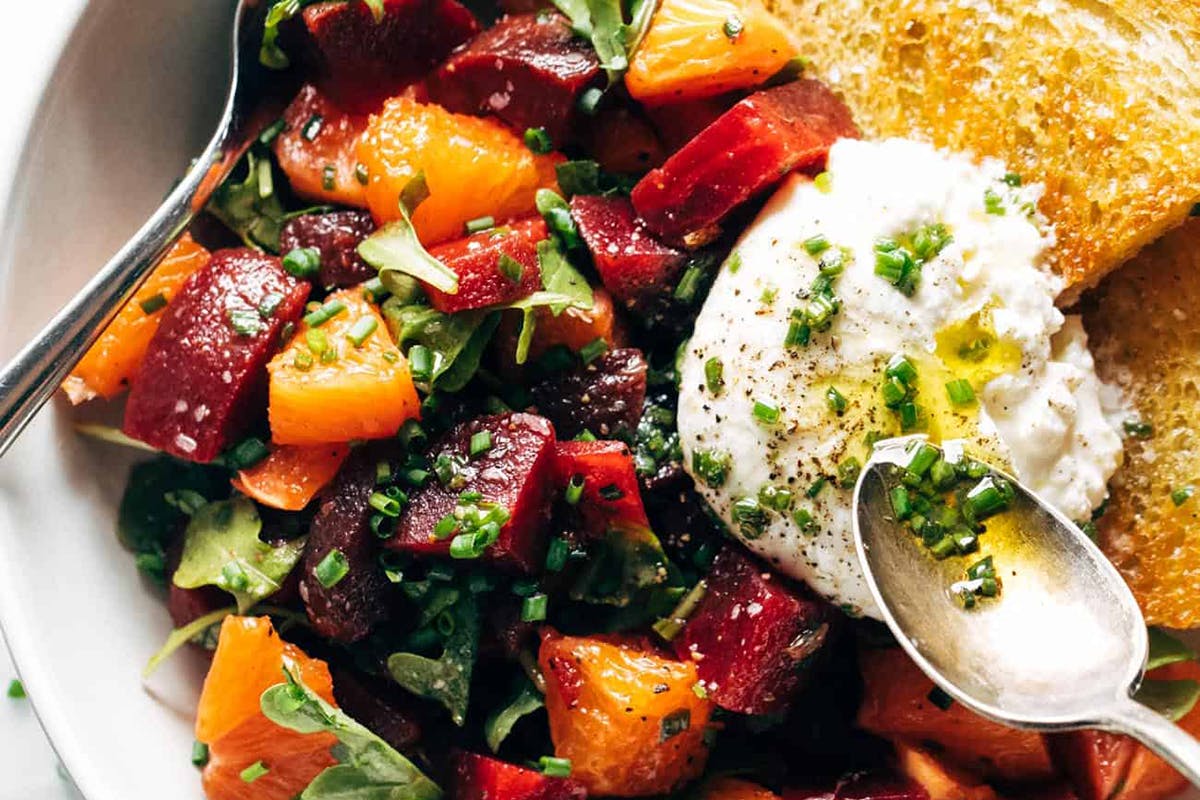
189, 605
381, 705
504, 462
750, 636
634, 266
349, 608
604, 397
610, 494
482, 279
748, 149
479, 777
362, 62
1095, 762
204, 376
527, 69
337, 236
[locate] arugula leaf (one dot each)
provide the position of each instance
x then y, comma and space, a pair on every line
395, 249
221, 548
146, 522
1172, 699
370, 770
563, 287
181, 636
446, 679
251, 208
1166, 649
628, 569
112, 435
457, 341
500, 722
603, 23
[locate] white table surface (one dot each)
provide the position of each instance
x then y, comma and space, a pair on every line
30, 769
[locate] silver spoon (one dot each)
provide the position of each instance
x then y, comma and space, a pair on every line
36, 372
1062, 647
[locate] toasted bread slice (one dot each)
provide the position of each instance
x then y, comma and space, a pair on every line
1098, 99
1144, 324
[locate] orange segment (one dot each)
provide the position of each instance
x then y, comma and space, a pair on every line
318, 150
363, 392
628, 719
290, 477
113, 361
249, 659
474, 167
694, 48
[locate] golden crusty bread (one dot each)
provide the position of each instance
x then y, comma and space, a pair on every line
1098, 99
1144, 324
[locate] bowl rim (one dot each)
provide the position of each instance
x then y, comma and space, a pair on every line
54, 61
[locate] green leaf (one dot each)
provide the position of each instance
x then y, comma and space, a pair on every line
603, 23
242, 206
563, 287
221, 548
181, 636
1172, 699
376, 7
1166, 649
112, 435
628, 568
395, 249
446, 679
370, 770
270, 54
456, 340
500, 722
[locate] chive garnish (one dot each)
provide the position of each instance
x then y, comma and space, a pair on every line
766, 412
836, 401
712, 467
153, 304
245, 322
420, 361
303, 262
388, 506
1182, 494
557, 554
574, 490
538, 140
593, 350
1138, 429
714, 371
589, 100
555, 767
815, 245
733, 27
361, 174
481, 442
993, 203
328, 177
480, 224
271, 132
960, 392
361, 330
315, 319
533, 608
199, 753
253, 772
312, 128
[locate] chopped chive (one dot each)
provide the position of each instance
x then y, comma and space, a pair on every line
939, 698
960, 392
16, 690
315, 319
1012, 179
266, 179
1137, 428
328, 178
988, 497
445, 526
767, 413
589, 100
804, 520
199, 753
714, 371
361, 174
332, 568
481, 442
555, 767
993, 203
374, 290
733, 27
750, 517
689, 285
734, 262
901, 368
712, 467
674, 724
361, 330
420, 361
824, 182
848, 472
815, 245
574, 491
557, 554
245, 322
816, 487
253, 772
152, 304
593, 350
412, 434
910, 416
776, 498
798, 334
835, 400
533, 608
271, 132
923, 458
303, 262
538, 140
480, 224
1182, 495
312, 128
317, 341
901, 503
611, 492
388, 506
270, 304
247, 453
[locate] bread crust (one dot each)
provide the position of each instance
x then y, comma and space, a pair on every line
1097, 99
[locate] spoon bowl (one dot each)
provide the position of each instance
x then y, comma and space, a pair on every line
1064, 645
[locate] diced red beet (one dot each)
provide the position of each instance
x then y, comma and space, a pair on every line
1095, 762
750, 636
863, 786
350, 608
748, 149
610, 485
203, 380
189, 605
479, 777
363, 62
378, 704
476, 261
679, 123
604, 397
633, 264
337, 236
516, 473
527, 69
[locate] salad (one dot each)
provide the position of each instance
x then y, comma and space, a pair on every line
508, 400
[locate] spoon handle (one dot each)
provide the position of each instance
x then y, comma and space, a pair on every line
1164, 737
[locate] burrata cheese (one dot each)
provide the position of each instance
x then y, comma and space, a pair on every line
773, 429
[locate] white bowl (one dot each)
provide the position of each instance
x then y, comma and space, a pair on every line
132, 99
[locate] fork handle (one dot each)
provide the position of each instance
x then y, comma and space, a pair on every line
1165, 738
